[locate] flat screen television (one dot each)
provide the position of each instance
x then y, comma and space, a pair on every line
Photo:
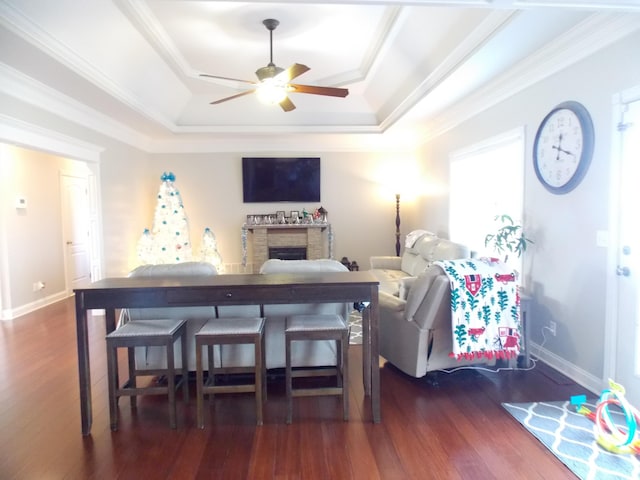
280, 179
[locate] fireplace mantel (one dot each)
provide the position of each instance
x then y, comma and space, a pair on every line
317, 238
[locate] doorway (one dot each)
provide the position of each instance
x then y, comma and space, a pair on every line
76, 230
36, 138
625, 356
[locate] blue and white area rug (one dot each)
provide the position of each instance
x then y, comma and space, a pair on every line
355, 328
570, 436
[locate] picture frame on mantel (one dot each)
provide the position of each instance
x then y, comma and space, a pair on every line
280, 217
294, 214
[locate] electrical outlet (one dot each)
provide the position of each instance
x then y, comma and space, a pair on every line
552, 327
37, 286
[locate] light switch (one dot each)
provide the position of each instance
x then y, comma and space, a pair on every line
602, 238
21, 202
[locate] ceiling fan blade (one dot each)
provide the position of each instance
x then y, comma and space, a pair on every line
234, 96
292, 72
287, 105
227, 78
315, 90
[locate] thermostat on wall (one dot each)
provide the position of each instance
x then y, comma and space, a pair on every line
21, 202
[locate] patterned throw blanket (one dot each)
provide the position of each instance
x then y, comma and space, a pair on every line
485, 308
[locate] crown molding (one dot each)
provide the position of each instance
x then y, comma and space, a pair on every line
299, 142
473, 42
13, 19
19, 132
595, 33
140, 14
31, 92
626, 5
190, 139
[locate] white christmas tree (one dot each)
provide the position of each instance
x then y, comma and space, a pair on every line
168, 241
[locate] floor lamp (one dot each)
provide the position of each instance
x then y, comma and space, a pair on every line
397, 224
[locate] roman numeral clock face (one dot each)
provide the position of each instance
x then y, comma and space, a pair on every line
563, 147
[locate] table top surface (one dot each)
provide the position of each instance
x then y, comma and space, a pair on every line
236, 280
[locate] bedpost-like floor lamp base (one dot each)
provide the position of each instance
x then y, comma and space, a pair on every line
397, 224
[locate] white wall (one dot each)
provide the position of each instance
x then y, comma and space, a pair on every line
565, 269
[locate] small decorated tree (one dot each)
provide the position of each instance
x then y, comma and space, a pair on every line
209, 250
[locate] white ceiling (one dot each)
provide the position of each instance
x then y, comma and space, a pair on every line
130, 68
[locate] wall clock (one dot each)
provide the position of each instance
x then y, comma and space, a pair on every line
563, 147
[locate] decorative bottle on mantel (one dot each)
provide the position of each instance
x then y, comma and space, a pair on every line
323, 214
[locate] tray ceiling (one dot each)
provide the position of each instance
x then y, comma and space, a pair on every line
132, 67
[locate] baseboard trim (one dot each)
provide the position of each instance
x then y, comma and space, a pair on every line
11, 314
568, 369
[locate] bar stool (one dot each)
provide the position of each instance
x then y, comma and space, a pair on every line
318, 327
231, 331
146, 333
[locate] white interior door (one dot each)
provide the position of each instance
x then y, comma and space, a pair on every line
76, 230
627, 354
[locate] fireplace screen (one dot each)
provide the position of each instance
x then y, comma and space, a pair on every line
288, 253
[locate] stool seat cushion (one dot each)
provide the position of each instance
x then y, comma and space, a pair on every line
147, 328
232, 326
310, 323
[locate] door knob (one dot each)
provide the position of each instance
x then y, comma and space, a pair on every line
623, 271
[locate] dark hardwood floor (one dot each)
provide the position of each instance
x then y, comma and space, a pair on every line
442, 427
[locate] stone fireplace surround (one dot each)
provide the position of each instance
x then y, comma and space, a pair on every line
315, 238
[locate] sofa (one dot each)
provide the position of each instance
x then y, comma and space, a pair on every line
415, 305
308, 354
421, 249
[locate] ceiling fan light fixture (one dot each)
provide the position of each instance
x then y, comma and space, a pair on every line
273, 82
271, 92
268, 72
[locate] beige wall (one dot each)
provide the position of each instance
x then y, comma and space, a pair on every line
33, 243
354, 190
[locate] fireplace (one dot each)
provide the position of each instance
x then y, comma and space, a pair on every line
286, 242
288, 253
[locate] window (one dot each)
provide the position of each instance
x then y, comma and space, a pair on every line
486, 179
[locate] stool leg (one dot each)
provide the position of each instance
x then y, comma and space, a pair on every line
339, 363
199, 385
171, 384
112, 373
264, 368
258, 376
131, 356
288, 380
211, 377
185, 368
344, 367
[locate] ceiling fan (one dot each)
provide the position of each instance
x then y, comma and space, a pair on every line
273, 82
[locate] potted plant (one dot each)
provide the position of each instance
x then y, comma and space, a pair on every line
509, 238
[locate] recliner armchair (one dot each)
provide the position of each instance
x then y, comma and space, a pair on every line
421, 250
415, 332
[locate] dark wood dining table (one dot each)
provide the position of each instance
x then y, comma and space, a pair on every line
110, 294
